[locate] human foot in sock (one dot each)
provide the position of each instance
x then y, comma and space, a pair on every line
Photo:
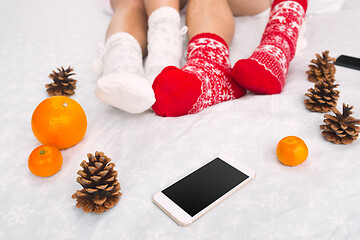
203, 81
265, 71
164, 41
123, 84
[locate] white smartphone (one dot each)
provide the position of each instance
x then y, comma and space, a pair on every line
195, 194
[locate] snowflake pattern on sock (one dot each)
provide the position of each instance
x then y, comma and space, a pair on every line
209, 59
278, 44
164, 41
122, 54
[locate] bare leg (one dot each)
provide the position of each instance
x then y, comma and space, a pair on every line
210, 16
129, 16
248, 7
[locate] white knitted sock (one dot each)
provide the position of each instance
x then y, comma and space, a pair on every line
122, 83
164, 41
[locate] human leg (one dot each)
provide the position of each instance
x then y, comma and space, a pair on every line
164, 36
210, 16
248, 7
130, 17
122, 83
205, 79
265, 71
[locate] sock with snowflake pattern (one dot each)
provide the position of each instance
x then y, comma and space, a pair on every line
164, 42
265, 71
203, 81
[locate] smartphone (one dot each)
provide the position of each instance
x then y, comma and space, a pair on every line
195, 194
349, 62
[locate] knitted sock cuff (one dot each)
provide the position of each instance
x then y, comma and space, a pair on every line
211, 47
164, 14
122, 51
119, 36
303, 3
209, 35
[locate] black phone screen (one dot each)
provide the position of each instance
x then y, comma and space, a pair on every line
349, 62
202, 187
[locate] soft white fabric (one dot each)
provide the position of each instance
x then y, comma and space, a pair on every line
122, 83
126, 91
164, 41
318, 200
122, 54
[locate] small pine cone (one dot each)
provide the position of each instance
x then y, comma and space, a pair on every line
323, 97
101, 188
322, 68
63, 85
341, 128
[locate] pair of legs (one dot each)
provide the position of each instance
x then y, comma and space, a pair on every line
138, 28
214, 16
152, 27
131, 16
207, 78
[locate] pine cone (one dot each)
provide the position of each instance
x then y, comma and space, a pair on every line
63, 85
101, 188
341, 128
322, 68
322, 97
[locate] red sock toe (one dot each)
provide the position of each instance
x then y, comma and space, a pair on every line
177, 92
255, 78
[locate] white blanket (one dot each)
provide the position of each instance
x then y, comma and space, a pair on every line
319, 199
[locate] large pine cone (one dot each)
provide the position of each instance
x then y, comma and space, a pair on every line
63, 84
341, 128
322, 68
323, 97
101, 188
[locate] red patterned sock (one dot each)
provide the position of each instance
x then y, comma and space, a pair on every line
203, 81
265, 71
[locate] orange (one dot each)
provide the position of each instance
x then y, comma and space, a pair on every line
59, 121
45, 161
292, 151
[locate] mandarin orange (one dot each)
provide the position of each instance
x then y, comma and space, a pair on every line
292, 151
45, 161
59, 121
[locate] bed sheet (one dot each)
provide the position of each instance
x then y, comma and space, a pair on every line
319, 199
